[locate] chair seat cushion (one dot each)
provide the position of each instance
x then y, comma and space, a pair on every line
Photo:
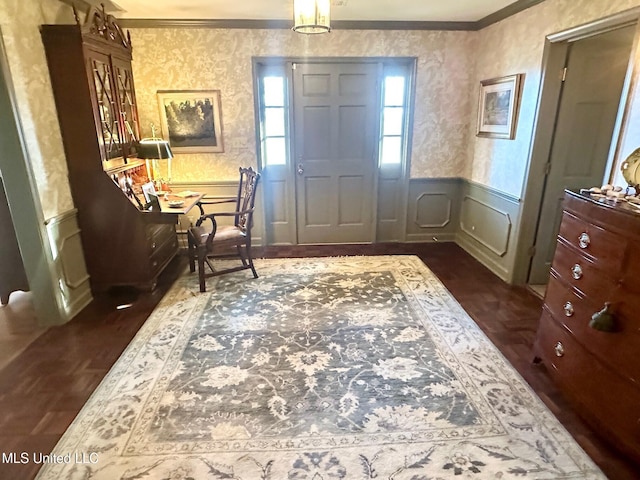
227, 234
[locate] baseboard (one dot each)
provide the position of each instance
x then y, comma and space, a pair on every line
430, 238
476, 251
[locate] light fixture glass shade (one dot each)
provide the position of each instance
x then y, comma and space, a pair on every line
311, 16
154, 148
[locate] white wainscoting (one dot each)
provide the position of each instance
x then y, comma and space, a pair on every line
488, 227
433, 209
480, 219
73, 284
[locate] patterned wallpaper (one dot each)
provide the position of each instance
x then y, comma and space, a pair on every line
450, 67
214, 59
515, 45
20, 21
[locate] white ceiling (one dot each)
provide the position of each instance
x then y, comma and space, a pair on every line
373, 10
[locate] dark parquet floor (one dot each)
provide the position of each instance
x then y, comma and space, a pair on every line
45, 386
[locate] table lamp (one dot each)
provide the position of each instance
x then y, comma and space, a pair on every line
153, 149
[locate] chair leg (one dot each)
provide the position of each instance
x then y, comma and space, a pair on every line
242, 256
201, 259
191, 251
250, 259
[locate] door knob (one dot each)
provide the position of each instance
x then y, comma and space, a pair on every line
300, 169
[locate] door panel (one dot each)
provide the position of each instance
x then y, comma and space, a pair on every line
317, 192
335, 130
352, 210
596, 69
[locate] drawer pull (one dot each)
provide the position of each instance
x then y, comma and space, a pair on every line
559, 349
603, 320
576, 271
153, 245
584, 240
568, 309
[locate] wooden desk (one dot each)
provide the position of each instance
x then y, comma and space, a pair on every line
189, 203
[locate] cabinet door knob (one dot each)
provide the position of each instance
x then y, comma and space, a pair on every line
559, 349
568, 309
584, 240
576, 271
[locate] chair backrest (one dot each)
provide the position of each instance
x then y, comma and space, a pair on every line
247, 188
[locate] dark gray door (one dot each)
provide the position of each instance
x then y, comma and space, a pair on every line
596, 69
336, 118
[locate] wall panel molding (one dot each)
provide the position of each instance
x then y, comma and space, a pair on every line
433, 206
422, 210
66, 246
486, 224
488, 227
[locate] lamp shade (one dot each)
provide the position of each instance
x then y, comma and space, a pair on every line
312, 16
154, 148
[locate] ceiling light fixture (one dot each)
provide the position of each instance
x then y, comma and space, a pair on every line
312, 16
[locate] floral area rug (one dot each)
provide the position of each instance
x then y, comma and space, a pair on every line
340, 368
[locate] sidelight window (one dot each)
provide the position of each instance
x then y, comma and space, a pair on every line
273, 118
393, 119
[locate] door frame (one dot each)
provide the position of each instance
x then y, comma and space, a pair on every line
259, 62
553, 58
25, 207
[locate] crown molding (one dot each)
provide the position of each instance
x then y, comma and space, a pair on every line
286, 24
506, 12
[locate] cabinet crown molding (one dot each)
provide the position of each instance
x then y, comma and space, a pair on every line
99, 24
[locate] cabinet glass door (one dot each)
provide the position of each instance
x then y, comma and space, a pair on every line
107, 109
127, 104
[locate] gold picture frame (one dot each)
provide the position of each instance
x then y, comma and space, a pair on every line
498, 106
191, 120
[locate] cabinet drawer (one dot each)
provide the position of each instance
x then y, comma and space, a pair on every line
582, 273
158, 235
600, 395
617, 349
566, 305
604, 247
163, 254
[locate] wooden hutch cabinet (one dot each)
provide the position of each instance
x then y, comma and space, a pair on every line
595, 359
91, 75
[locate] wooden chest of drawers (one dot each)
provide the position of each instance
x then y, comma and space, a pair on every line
597, 262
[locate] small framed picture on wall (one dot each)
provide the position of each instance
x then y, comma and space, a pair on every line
498, 106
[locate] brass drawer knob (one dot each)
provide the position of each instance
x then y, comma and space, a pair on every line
568, 309
576, 271
584, 240
559, 349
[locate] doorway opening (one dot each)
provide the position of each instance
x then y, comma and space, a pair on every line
585, 82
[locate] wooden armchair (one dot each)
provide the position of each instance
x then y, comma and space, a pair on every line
206, 243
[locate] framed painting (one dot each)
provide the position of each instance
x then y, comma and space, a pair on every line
191, 120
148, 189
498, 106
